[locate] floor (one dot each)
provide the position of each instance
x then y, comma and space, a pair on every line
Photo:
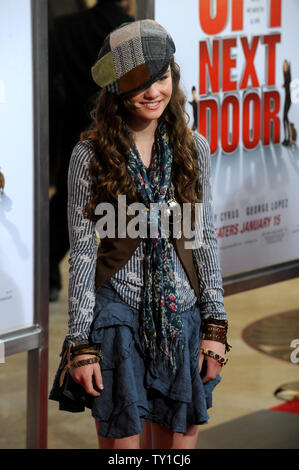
241, 415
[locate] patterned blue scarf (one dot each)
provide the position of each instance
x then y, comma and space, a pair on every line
161, 329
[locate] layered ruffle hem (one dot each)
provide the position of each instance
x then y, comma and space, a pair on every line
132, 393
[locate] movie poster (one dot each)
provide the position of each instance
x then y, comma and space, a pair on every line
240, 72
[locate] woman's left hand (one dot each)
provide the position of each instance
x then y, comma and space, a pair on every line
213, 366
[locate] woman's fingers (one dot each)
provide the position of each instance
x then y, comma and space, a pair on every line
213, 369
98, 376
88, 383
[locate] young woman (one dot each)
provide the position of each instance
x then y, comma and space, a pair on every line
147, 324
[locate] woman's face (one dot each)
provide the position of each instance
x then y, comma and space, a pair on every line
150, 103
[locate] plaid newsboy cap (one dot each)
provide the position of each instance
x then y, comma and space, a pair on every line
132, 57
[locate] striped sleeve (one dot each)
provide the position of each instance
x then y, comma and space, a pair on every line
206, 256
83, 246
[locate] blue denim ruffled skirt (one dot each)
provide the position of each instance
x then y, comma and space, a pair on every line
132, 393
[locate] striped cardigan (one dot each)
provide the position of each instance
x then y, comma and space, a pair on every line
128, 281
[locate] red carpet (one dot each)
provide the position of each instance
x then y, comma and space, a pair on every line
288, 407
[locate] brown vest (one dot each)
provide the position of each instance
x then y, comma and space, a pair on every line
114, 253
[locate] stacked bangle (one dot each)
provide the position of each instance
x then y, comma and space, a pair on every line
216, 330
86, 349
214, 333
208, 352
72, 351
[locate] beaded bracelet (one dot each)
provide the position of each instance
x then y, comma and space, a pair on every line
208, 352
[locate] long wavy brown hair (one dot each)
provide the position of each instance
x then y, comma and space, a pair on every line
111, 145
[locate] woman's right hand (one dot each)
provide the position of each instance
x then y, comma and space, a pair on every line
83, 375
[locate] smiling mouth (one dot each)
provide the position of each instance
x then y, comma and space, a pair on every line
153, 105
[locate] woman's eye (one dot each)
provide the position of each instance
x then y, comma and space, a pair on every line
164, 77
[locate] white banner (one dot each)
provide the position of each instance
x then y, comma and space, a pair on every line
16, 166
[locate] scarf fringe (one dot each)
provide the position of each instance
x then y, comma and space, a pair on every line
169, 358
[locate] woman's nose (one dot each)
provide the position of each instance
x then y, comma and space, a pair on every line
152, 91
